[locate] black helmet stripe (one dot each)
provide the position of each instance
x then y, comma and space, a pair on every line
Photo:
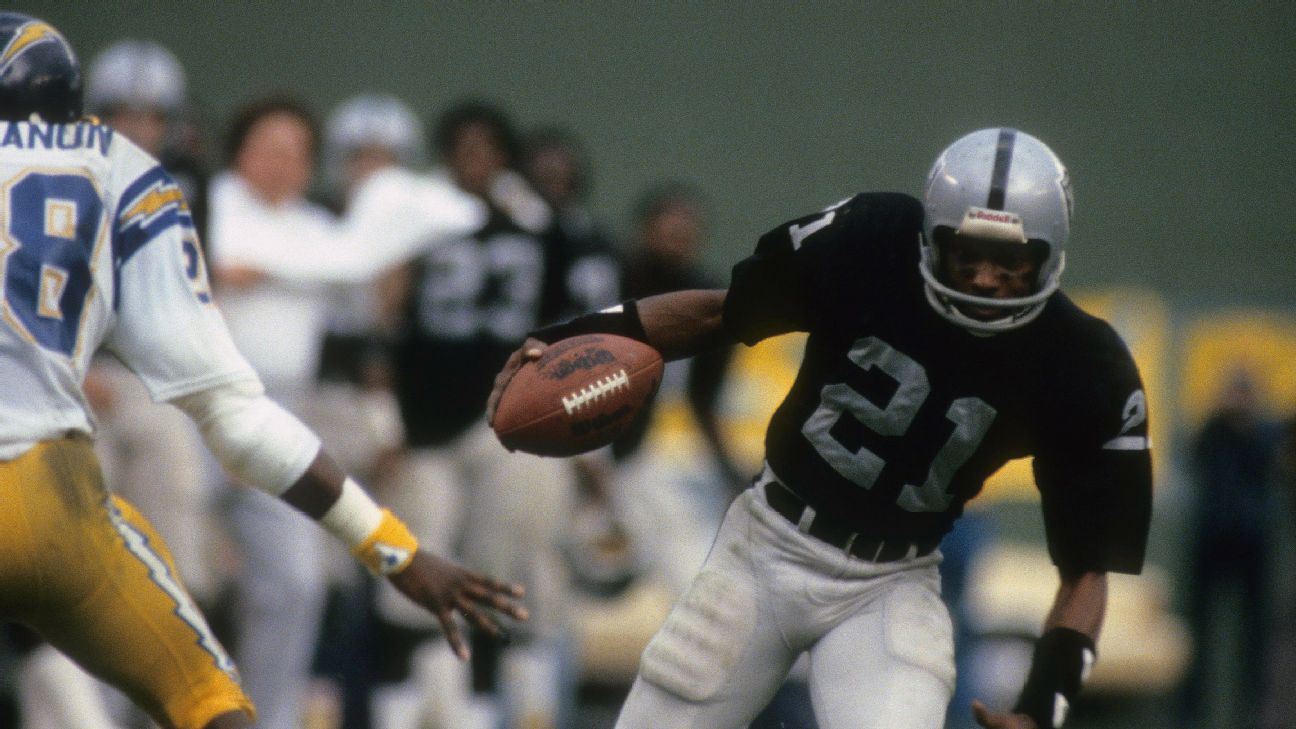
1002, 161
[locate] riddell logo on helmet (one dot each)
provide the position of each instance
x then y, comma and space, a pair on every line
993, 216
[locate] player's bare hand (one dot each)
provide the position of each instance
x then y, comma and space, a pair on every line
1000, 719
446, 588
530, 351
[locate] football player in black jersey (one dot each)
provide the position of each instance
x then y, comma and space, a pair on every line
939, 348
469, 301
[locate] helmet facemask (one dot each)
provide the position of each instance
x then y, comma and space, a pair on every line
952, 303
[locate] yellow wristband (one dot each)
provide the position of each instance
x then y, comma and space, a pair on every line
389, 549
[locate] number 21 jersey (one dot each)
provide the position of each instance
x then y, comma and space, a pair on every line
898, 416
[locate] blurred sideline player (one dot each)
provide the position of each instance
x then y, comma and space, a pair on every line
461, 306
100, 251
364, 135
392, 214
939, 348
352, 404
676, 522
138, 89
595, 543
584, 269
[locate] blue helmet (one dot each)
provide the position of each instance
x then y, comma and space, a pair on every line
39, 73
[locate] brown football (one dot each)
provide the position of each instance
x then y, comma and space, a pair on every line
581, 394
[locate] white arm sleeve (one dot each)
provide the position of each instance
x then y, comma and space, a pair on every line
255, 439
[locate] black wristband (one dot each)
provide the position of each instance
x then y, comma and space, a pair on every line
1059, 667
621, 320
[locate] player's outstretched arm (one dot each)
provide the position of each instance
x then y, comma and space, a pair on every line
262, 444
1063, 657
439, 585
678, 324
682, 323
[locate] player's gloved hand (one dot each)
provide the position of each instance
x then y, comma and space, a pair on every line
445, 588
530, 350
1000, 719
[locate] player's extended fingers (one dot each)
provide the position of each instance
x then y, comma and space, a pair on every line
512, 589
453, 634
481, 620
498, 596
532, 349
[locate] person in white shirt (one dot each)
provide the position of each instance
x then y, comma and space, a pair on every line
259, 214
279, 262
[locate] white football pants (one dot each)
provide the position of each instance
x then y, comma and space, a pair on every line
879, 637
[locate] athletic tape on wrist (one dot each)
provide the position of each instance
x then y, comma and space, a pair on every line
353, 517
376, 537
389, 549
1061, 664
622, 320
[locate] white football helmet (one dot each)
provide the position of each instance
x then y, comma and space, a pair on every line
1003, 184
374, 120
137, 74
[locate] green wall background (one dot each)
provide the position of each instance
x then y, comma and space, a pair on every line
1175, 118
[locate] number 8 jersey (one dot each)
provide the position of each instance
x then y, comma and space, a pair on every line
97, 248
898, 416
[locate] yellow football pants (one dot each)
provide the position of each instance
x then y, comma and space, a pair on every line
85, 570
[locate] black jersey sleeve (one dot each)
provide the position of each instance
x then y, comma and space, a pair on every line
804, 270
768, 290
1094, 471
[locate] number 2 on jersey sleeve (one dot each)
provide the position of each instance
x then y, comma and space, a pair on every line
44, 258
971, 416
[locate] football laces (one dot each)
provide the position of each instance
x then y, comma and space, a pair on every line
596, 390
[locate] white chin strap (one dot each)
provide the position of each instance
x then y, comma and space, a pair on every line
1018, 312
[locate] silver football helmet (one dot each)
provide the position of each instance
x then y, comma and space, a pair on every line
136, 74
374, 120
1002, 184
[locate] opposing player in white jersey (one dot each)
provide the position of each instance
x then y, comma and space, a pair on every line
97, 249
